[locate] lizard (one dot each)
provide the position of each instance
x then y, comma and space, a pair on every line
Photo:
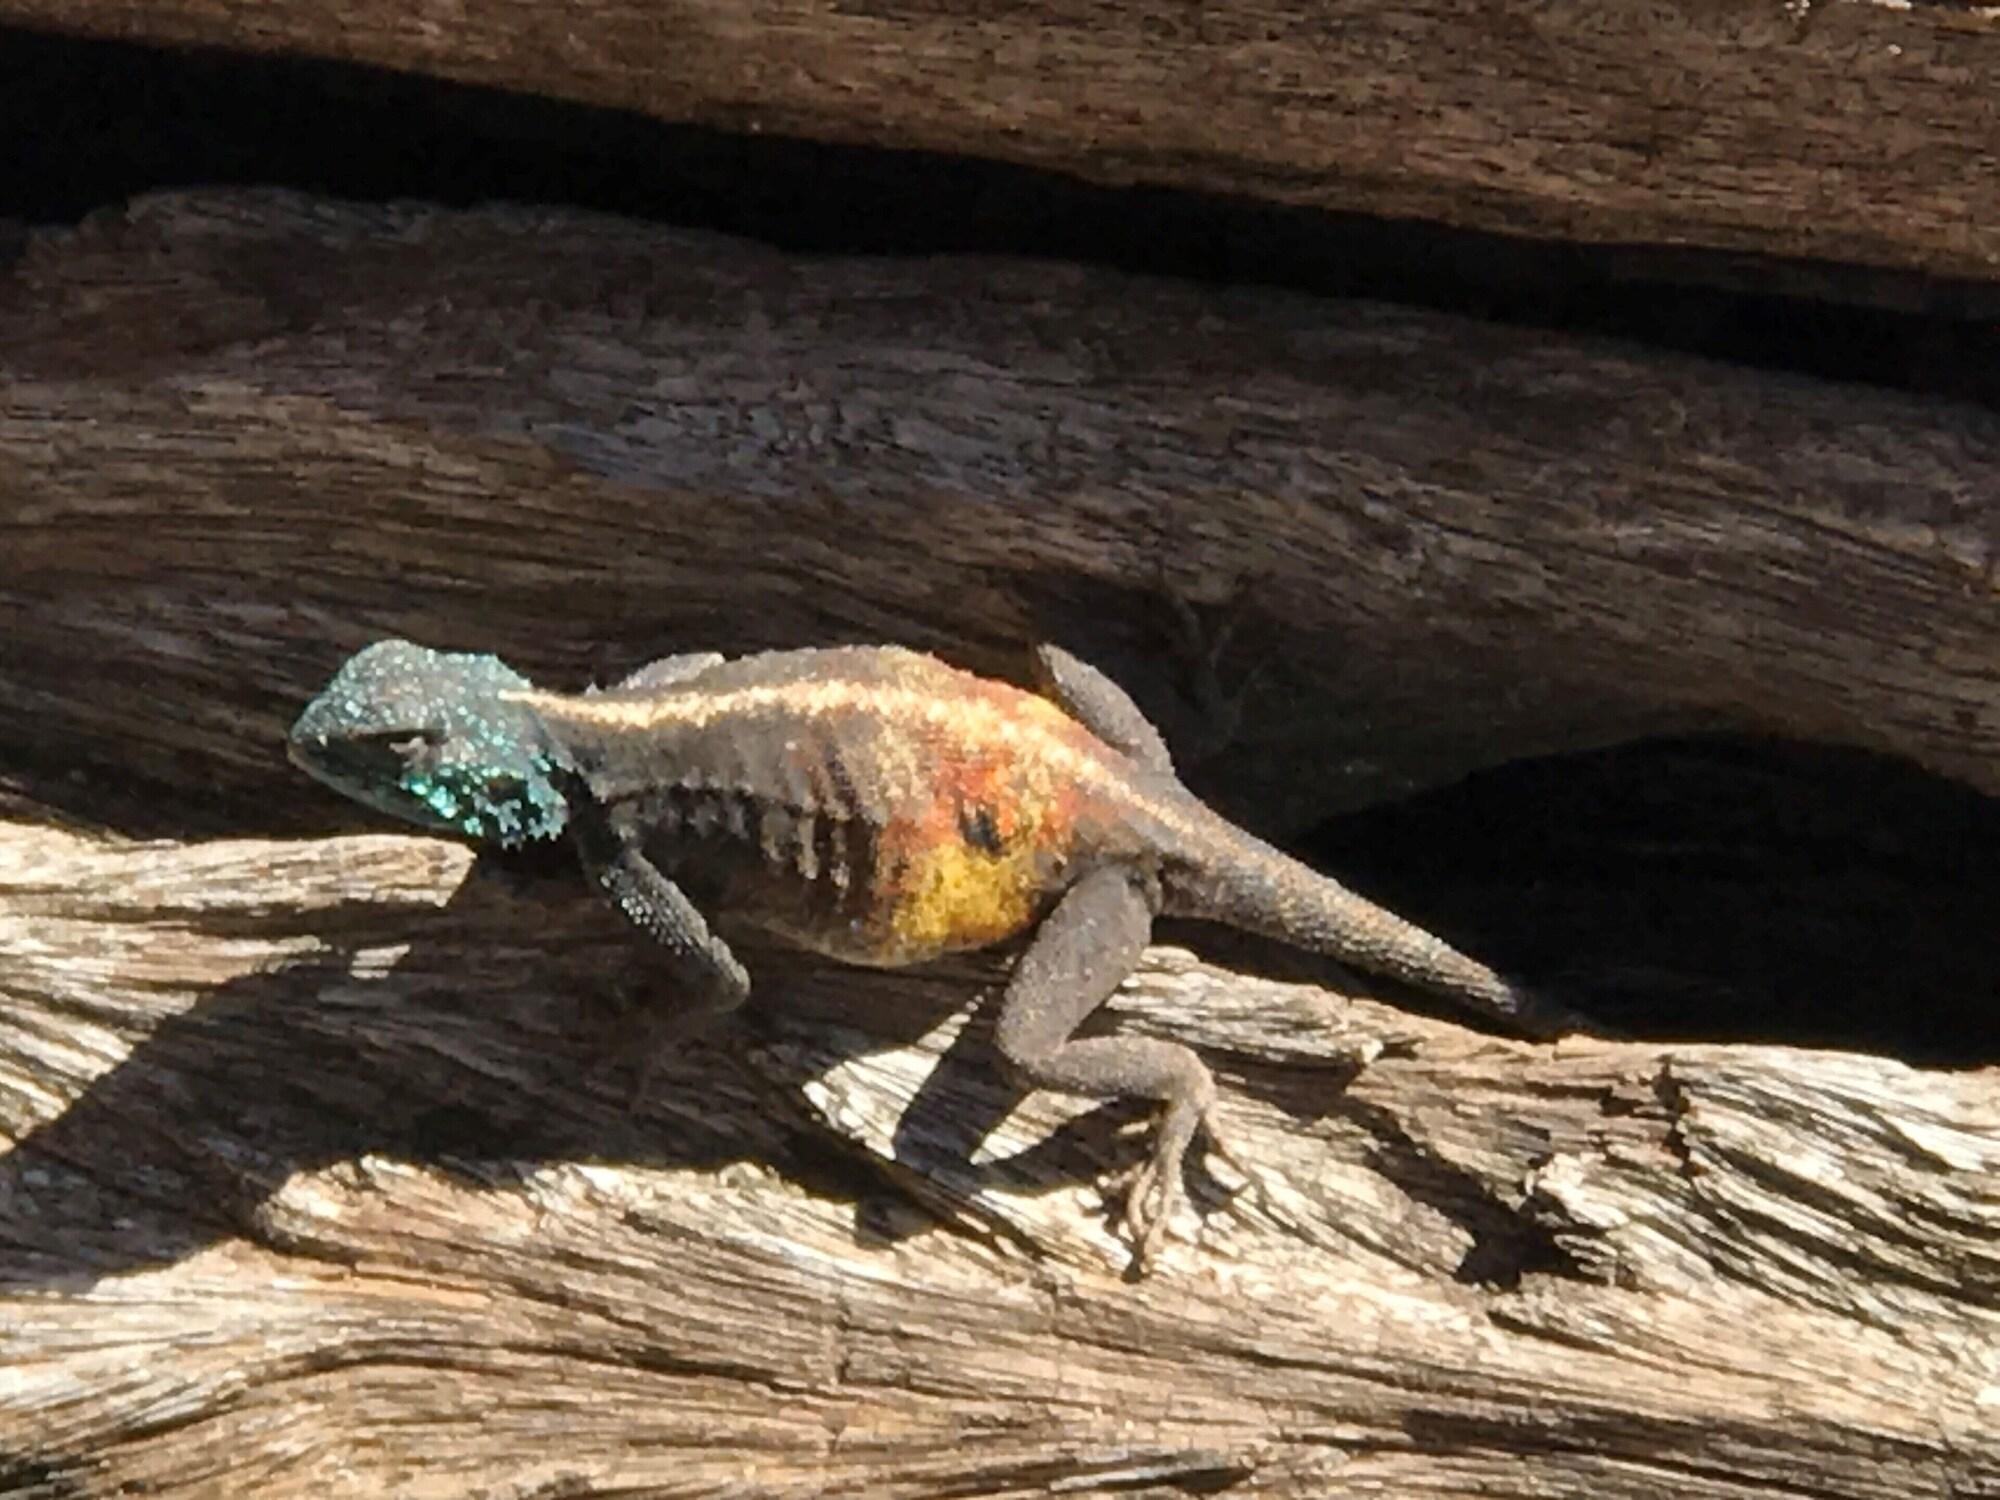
877, 806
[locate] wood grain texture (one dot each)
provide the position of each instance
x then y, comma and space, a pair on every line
243, 434
1853, 132
313, 1180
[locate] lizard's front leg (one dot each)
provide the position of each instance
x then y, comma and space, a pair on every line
1081, 953
713, 982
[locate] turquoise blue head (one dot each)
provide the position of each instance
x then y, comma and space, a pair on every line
431, 737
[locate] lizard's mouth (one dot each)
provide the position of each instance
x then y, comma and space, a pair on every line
353, 762
394, 751
327, 761
387, 772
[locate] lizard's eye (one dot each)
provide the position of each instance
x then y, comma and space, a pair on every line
417, 750
420, 753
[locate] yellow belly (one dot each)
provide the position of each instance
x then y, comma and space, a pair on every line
952, 896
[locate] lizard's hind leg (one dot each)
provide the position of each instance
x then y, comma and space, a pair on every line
1101, 706
1082, 952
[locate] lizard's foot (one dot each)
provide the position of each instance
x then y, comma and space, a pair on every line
630, 1037
1154, 1188
1152, 1193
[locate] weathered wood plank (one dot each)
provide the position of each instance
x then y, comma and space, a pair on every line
308, 1184
244, 433
1844, 132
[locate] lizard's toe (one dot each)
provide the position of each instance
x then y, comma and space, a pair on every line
1152, 1194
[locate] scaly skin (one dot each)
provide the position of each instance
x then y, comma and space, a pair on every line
877, 806
870, 804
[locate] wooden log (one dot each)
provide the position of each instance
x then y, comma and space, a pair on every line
312, 1183
1867, 134
320, 1168
245, 433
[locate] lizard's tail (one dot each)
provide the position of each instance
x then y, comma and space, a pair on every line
1247, 884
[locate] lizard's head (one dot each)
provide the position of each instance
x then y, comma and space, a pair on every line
432, 738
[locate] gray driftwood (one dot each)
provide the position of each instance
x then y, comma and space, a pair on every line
318, 1168
1840, 132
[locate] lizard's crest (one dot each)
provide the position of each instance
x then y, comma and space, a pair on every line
431, 737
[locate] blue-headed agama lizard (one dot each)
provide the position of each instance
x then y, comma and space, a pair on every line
880, 807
